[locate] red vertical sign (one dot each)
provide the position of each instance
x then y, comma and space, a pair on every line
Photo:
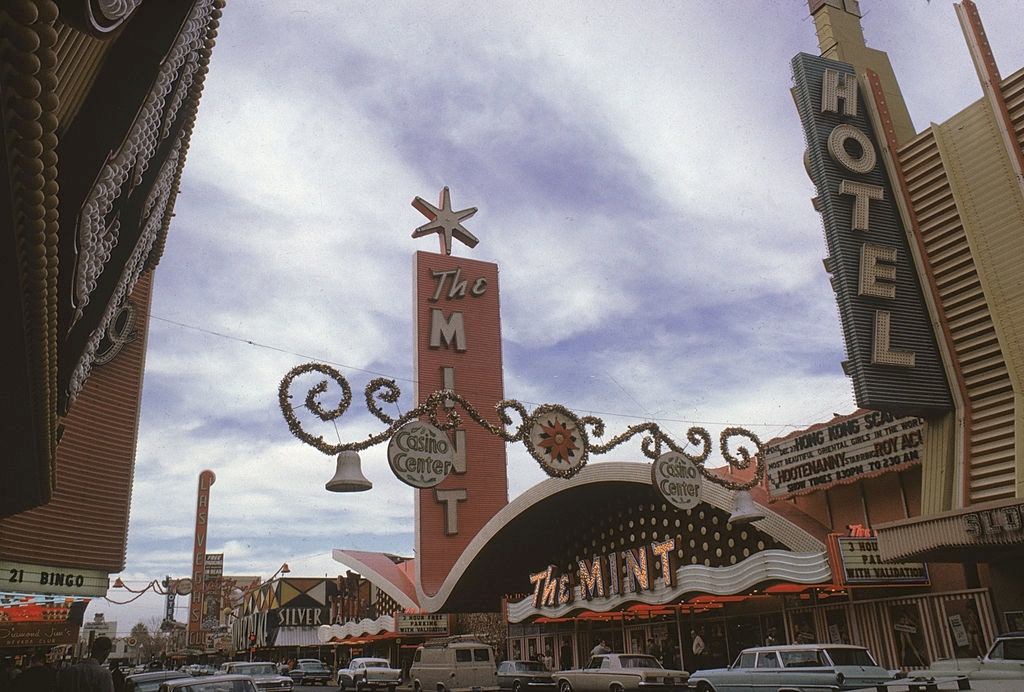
458, 345
195, 610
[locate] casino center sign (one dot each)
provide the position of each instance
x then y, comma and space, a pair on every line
677, 479
420, 454
892, 356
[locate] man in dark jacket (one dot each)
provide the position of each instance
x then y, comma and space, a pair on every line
117, 675
38, 677
89, 675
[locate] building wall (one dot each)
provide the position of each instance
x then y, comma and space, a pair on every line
85, 524
888, 497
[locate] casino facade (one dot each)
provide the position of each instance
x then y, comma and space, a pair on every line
897, 526
97, 105
924, 243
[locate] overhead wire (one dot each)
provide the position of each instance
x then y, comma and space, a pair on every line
469, 391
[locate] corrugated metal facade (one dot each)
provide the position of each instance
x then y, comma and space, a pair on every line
79, 57
871, 621
86, 521
963, 304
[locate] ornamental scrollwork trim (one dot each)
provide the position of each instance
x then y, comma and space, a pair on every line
97, 232
442, 409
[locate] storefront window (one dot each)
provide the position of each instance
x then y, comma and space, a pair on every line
636, 641
773, 627
802, 630
838, 631
744, 633
566, 660
964, 627
718, 646
906, 625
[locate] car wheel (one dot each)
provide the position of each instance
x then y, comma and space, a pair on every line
517, 686
615, 688
564, 686
705, 687
416, 687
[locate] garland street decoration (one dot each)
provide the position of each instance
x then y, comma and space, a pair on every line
558, 439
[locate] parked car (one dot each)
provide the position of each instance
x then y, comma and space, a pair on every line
198, 669
524, 675
263, 673
310, 671
369, 673
621, 673
211, 683
796, 667
1004, 661
454, 664
149, 682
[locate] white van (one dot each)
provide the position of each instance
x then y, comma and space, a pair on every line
454, 664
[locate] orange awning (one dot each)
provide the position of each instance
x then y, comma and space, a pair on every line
367, 639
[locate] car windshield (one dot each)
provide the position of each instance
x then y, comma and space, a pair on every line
150, 686
254, 669
532, 667
376, 664
312, 666
639, 662
1008, 649
850, 657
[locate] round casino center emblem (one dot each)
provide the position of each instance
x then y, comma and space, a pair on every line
421, 455
677, 479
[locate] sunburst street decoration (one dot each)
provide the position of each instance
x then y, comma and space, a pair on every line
558, 440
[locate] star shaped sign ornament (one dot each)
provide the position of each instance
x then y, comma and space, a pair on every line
444, 221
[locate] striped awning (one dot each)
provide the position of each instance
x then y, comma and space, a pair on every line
370, 638
296, 636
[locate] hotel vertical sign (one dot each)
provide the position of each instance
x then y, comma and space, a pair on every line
892, 356
195, 609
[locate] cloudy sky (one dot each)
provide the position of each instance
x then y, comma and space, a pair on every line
637, 167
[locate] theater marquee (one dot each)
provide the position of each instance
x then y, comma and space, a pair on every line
844, 450
68, 581
857, 562
890, 344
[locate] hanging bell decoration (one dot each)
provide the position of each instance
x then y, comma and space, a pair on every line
349, 477
744, 510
